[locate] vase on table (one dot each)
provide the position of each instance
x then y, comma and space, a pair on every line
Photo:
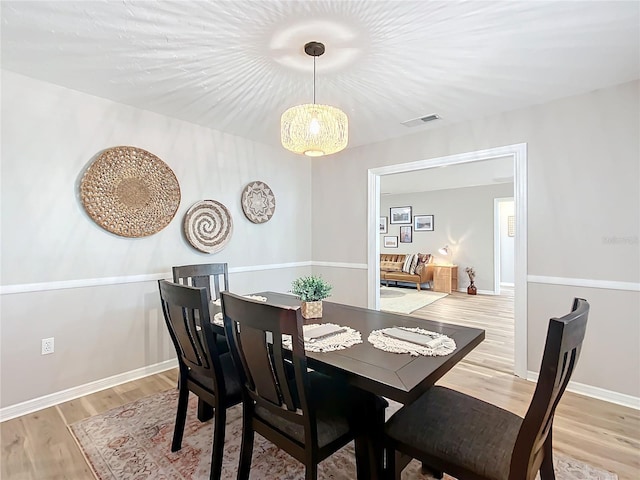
471, 289
311, 309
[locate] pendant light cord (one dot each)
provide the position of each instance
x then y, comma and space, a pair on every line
314, 80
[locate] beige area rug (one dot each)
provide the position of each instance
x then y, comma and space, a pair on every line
406, 300
133, 442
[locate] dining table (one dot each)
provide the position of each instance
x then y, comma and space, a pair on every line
401, 377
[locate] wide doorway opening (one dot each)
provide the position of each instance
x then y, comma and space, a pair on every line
516, 155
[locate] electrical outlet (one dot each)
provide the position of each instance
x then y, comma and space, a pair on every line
47, 346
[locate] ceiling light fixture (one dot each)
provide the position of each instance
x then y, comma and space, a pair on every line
313, 129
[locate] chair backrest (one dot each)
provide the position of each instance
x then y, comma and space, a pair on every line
561, 352
255, 332
186, 313
212, 276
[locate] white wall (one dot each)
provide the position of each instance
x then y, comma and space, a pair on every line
507, 244
583, 215
49, 136
462, 219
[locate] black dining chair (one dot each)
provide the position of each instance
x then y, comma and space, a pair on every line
307, 414
468, 438
203, 370
212, 276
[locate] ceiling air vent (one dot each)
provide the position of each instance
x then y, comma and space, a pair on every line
421, 121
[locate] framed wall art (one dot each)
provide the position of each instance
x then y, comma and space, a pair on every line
406, 234
423, 223
390, 242
383, 224
400, 215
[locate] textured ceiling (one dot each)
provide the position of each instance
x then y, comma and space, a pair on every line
237, 65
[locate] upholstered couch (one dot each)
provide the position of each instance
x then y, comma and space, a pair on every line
393, 268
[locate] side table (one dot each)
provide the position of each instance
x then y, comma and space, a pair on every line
445, 278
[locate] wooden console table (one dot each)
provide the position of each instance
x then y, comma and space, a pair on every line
445, 278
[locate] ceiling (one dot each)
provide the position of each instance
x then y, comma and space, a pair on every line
235, 66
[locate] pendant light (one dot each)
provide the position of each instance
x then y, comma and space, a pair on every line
313, 129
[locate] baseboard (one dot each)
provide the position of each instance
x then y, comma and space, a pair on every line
597, 392
30, 406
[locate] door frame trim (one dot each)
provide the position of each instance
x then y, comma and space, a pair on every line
518, 152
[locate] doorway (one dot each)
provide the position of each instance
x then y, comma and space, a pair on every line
518, 154
503, 243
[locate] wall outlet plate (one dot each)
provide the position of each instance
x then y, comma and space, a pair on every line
47, 346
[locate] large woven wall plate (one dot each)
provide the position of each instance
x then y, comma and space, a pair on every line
258, 202
130, 192
208, 226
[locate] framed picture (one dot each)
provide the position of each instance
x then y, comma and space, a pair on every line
400, 215
391, 242
383, 224
423, 223
406, 234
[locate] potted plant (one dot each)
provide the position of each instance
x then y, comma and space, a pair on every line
471, 289
311, 290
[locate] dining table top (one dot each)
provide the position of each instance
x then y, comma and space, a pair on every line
398, 376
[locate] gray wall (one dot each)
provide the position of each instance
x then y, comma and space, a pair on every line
102, 325
463, 219
583, 215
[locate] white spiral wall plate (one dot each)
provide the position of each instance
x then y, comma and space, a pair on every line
208, 226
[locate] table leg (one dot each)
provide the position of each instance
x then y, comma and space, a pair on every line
205, 411
370, 447
376, 447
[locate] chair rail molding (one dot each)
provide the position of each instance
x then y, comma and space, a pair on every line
585, 282
147, 277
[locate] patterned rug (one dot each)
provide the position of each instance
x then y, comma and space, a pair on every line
406, 300
132, 442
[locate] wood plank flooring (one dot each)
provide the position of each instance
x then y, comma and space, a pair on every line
39, 446
493, 313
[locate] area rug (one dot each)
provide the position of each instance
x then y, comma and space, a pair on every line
405, 300
133, 442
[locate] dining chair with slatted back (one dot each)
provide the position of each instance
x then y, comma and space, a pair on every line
468, 438
203, 370
212, 276
215, 278
307, 414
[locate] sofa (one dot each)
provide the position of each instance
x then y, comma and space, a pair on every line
395, 268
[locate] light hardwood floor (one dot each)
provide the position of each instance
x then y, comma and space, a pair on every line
39, 446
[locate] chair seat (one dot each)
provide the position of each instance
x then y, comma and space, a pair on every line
458, 429
232, 383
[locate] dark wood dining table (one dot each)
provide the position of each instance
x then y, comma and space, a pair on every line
400, 377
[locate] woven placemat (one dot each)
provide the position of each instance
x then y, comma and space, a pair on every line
130, 192
258, 202
208, 226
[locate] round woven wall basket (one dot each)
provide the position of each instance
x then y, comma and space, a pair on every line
130, 192
208, 226
258, 202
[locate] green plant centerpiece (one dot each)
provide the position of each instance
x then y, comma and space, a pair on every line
311, 290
